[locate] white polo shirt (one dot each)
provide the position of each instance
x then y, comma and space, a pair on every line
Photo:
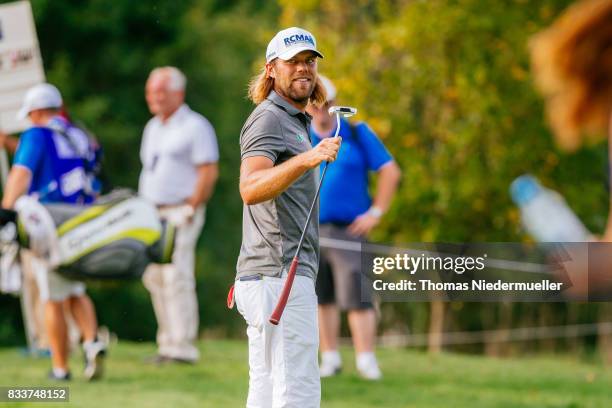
170, 153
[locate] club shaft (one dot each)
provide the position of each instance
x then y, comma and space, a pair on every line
282, 301
316, 197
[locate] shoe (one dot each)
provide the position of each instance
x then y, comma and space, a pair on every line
331, 364
95, 352
65, 377
367, 366
329, 370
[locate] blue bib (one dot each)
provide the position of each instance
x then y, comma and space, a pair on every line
58, 158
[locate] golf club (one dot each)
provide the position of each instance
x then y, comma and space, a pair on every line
344, 111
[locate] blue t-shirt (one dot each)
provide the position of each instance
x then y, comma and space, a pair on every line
344, 194
57, 165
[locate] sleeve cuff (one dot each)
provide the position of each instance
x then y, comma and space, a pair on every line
255, 153
383, 164
23, 166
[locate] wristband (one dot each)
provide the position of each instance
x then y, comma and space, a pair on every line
375, 212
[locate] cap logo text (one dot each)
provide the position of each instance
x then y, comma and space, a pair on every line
297, 38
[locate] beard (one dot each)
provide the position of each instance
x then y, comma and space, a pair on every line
297, 91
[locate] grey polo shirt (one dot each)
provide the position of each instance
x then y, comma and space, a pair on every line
271, 230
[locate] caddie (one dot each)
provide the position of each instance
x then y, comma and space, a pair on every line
52, 164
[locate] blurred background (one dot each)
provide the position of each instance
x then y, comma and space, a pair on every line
445, 84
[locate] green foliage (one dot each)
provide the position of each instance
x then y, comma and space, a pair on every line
99, 54
446, 85
11, 324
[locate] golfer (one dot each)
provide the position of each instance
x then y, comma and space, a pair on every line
278, 180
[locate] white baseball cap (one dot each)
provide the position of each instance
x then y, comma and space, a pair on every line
289, 42
330, 89
41, 96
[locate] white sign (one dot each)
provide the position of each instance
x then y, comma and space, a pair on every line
20, 62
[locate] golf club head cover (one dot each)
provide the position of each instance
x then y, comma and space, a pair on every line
8, 226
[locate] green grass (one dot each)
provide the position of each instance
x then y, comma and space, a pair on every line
412, 379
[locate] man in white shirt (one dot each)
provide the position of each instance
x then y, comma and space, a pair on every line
179, 156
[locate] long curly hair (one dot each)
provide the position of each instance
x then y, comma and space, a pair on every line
261, 85
572, 65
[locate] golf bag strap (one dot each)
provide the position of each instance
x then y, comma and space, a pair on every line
354, 132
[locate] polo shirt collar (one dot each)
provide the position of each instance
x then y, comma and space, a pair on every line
176, 115
289, 108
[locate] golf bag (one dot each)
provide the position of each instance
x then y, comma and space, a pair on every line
114, 238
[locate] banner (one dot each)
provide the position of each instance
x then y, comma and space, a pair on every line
20, 61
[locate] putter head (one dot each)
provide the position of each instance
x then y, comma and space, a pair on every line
345, 111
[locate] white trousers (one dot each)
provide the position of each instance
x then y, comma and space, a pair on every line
173, 291
283, 364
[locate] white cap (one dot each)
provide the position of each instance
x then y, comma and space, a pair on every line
41, 96
289, 42
330, 89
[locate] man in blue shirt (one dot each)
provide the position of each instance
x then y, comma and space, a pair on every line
52, 163
347, 213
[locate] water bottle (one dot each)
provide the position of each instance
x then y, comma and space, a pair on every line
545, 214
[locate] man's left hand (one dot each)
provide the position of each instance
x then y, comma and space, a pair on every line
363, 224
193, 203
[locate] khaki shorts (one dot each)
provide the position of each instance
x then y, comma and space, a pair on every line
51, 285
340, 279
